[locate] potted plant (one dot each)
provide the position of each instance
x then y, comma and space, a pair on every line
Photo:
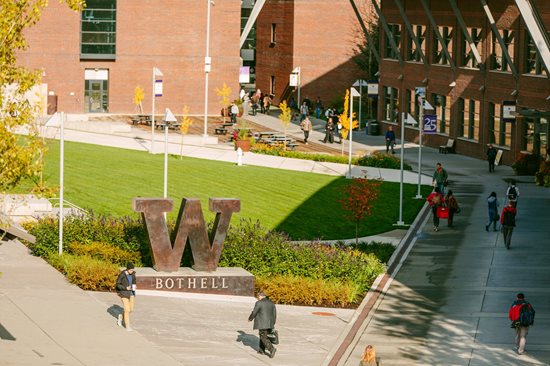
242, 137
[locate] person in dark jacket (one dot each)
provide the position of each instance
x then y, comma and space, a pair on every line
390, 140
126, 289
521, 330
508, 222
264, 316
492, 206
491, 157
440, 177
435, 199
452, 204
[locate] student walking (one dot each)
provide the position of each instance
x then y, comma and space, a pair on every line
369, 357
390, 140
305, 125
492, 210
435, 199
304, 111
126, 289
512, 193
508, 222
491, 157
452, 205
329, 131
440, 177
264, 316
522, 315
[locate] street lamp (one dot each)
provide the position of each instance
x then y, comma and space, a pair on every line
207, 65
157, 92
353, 93
168, 118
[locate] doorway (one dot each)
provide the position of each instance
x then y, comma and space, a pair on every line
96, 91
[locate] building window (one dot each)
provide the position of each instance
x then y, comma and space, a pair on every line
389, 52
413, 54
468, 58
500, 132
440, 58
442, 105
533, 62
535, 135
413, 107
391, 104
468, 118
273, 33
272, 85
498, 60
98, 30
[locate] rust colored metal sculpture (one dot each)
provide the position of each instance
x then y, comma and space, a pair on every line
190, 226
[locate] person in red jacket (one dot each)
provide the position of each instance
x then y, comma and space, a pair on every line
508, 221
435, 199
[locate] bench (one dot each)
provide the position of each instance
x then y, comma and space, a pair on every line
220, 131
450, 147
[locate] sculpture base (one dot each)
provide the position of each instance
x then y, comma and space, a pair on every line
224, 281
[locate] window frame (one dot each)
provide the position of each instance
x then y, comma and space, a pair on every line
86, 19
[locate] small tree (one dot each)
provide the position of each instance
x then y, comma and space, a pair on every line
344, 119
224, 101
138, 98
359, 196
184, 127
285, 117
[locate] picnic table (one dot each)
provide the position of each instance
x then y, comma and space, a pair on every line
264, 135
142, 118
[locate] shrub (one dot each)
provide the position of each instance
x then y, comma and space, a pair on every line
105, 252
381, 160
86, 272
542, 177
288, 289
526, 164
382, 251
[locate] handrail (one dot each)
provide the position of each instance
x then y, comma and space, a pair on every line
67, 203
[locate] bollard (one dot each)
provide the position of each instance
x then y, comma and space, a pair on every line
239, 156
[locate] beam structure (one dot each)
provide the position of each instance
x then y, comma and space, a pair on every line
536, 29
410, 30
467, 35
437, 33
499, 37
370, 40
251, 20
387, 31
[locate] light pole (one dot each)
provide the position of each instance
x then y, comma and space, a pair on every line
421, 92
207, 66
168, 118
156, 72
353, 93
61, 179
360, 83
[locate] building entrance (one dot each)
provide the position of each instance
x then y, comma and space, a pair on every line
96, 91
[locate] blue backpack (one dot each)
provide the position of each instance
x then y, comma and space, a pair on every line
526, 315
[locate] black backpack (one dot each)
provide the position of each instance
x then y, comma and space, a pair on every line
512, 193
509, 218
526, 315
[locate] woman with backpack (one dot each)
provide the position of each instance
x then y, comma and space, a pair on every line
435, 199
492, 206
452, 204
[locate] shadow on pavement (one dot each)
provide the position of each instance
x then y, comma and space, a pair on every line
249, 340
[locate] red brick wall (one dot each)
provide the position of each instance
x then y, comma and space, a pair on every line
163, 34
532, 90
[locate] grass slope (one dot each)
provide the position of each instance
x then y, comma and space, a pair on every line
304, 205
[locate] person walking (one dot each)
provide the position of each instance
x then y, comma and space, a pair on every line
126, 290
440, 177
264, 316
491, 157
304, 111
390, 140
369, 357
339, 130
508, 222
435, 199
512, 193
522, 315
305, 125
318, 107
492, 206
329, 128
234, 112
452, 204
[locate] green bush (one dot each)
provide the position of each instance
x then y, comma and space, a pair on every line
288, 289
382, 251
542, 177
86, 272
526, 164
105, 252
376, 159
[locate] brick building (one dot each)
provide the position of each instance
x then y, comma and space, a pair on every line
317, 36
470, 92
92, 61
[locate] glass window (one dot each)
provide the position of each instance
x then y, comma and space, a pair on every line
500, 132
535, 135
413, 54
440, 57
442, 105
468, 58
498, 60
468, 118
391, 104
532, 61
395, 30
98, 30
273, 33
413, 106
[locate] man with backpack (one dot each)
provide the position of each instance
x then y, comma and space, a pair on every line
522, 316
512, 193
508, 221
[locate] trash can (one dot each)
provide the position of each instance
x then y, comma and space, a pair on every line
373, 127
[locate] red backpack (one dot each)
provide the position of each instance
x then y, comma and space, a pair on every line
513, 314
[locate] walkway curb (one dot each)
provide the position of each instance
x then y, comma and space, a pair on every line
351, 334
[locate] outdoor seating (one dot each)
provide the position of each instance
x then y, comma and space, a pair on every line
450, 147
220, 131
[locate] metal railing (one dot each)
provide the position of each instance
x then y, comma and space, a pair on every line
56, 203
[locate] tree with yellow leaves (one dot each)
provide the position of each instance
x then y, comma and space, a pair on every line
224, 93
344, 119
138, 98
285, 117
184, 127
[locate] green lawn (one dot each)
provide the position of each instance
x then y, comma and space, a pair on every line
304, 205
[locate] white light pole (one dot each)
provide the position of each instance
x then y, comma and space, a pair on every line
207, 67
61, 178
360, 83
421, 91
156, 72
353, 93
400, 222
168, 117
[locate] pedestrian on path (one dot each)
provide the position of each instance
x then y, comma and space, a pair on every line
508, 222
522, 315
512, 193
264, 316
304, 111
305, 125
369, 357
452, 204
329, 131
390, 140
491, 157
440, 177
435, 199
126, 289
339, 130
318, 107
492, 207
